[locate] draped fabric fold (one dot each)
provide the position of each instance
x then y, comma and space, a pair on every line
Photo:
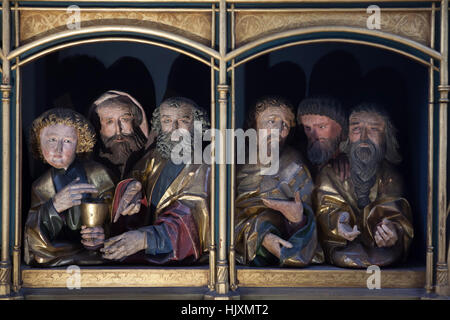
174, 214
51, 238
333, 197
254, 220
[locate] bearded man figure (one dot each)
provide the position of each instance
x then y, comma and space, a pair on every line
120, 122
365, 220
161, 213
325, 126
275, 223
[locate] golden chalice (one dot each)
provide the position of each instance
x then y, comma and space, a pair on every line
94, 213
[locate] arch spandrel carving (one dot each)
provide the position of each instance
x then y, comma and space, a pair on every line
196, 26
414, 25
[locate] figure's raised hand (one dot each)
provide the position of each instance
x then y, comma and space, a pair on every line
386, 234
130, 203
71, 195
344, 228
273, 244
341, 166
124, 245
92, 238
292, 210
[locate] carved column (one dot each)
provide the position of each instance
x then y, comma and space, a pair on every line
442, 287
222, 286
5, 263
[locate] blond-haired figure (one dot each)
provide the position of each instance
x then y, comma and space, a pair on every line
54, 235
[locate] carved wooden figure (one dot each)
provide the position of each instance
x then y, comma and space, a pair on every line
161, 213
364, 219
275, 224
54, 231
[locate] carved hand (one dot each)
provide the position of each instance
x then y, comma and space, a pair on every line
124, 245
344, 228
273, 244
131, 200
92, 237
292, 210
341, 166
71, 195
386, 234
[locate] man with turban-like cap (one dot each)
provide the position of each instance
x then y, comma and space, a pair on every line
325, 124
120, 122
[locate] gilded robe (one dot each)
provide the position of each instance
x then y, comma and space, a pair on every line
175, 211
51, 238
254, 220
333, 196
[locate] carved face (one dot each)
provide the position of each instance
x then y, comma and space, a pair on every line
367, 149
366, 126
323, 135
58, 145
173, 118
115, 120
176, 118
274, 118
117, 132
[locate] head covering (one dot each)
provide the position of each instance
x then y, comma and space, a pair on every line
324, 106
111, 94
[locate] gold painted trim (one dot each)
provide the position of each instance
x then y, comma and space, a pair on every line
136, 1
117, 277
232, 1
303, 42
328, 277
314, 1
107, 39
113, 9
351, 30
293, 10
106, 29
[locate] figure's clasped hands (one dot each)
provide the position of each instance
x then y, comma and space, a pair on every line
131, 200
71, 195
124, 245
344, 228
386, 234
292, 210
92, 238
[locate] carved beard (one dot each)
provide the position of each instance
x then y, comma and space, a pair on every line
364, 163
319, 153
165, 145
119, 152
